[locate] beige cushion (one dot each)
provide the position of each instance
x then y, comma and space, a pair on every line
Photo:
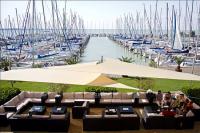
128, 115
128, 95
50, 101
21, 95
117, 95
36, 100
116, 100
106, 95
58, 116
21, 116
9, 114
142, 95
93, 116
2, 109
27, 94
37, 94
106, 101
40, 116
127, 101
78, 95
51, 95
15, 100
67, 101
68, 95
189, 114
89, 95
195, 106
84, 104
111, 116
90, 100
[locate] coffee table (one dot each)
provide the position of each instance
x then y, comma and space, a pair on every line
110, 111
37, 110
59, 110
125, 109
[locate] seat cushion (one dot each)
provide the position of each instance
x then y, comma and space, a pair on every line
128, 95
106, 95
90, 100
68, 95
50, 101
116, 100
21, 95
36, 100
106, 101
2, 109
127, 101
117, 95
142, 95
89, 95
78, 95
67, 101
37, 94
51, 95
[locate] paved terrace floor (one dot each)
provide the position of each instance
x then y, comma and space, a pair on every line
76, 126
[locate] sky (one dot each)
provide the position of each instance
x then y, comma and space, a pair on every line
101, 14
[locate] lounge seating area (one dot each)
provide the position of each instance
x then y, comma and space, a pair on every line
38, 111
112, 118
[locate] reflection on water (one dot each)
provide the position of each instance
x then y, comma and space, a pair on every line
102, 46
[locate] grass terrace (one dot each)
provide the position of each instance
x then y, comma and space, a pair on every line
142, 83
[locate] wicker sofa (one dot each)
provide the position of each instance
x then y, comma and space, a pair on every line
50, 123
19, 101
111, 122
154, 120
4, 116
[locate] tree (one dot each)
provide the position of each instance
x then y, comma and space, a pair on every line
152, 63
5, 63
126, 59
178, 60
73, 60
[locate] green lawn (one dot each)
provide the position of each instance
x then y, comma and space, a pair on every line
162, 84
45, 87
159, 84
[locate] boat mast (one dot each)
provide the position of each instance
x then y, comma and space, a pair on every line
33, 24
167, 21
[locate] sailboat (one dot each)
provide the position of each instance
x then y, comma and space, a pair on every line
177, 46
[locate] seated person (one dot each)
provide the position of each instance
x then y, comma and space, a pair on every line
175, 103
167, 99
182, 99
159, 97
188, 105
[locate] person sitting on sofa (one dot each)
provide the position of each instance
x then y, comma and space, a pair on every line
175, 103
167, 99
159, 97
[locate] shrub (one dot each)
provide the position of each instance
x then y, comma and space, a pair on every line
193, 94
100, 89
145, 83
7, 93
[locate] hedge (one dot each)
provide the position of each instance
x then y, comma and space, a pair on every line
7, 93
193, 94
100, 89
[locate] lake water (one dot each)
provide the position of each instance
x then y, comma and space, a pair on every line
103, 46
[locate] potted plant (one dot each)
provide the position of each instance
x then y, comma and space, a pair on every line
178, 61
126, 59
